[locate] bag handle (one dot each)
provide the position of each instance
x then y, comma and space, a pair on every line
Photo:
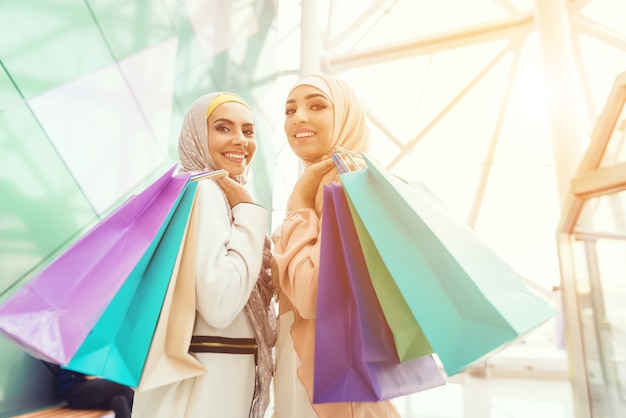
209, 175
345, 160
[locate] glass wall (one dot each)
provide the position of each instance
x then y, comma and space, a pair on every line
594, 223
92, 95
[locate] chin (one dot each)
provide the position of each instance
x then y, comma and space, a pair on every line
234, 171
311, 159
302, 154
306, 153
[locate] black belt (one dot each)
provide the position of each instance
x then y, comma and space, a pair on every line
210, 344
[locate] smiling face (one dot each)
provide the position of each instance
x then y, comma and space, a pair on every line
231, 137
309, 118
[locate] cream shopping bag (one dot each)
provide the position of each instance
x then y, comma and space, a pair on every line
169, 359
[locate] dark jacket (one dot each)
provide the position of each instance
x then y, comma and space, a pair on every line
65, 379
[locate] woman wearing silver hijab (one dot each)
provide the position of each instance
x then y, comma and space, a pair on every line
234, 328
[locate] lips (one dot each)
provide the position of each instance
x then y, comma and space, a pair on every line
303, 134
235, 156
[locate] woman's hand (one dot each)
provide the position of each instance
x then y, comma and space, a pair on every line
303, 194
235, 192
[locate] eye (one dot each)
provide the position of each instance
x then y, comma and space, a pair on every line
222, 128
248, 132
318, 106
290, 111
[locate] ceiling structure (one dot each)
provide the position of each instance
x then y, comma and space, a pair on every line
491, 103
466, 101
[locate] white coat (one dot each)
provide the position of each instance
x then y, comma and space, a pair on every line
228, 263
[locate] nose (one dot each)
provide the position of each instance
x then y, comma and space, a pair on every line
240, 140
300, 115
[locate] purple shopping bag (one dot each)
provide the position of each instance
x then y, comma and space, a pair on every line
51, 315
355, 356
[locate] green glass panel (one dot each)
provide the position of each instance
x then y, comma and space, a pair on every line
44, 44
132, 26
192, 84
42, 210
190, 54
192, 74
9, 96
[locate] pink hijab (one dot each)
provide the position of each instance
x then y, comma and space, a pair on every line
350, 129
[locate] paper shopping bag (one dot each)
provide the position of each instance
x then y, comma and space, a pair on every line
409, 339
117, 346
51, 315
168, 358
355, 357
467, 300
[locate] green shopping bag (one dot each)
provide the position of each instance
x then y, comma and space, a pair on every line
409, 339
117, 347
466, 299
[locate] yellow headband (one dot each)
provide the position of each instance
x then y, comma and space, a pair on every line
224, 98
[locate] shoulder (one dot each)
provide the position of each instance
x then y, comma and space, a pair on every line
209, 187
210, 199
211, 193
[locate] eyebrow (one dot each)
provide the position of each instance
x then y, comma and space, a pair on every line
309, 96
231, 122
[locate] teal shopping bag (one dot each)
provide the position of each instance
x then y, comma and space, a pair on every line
355, 356
467, 300
117, 347
409, 339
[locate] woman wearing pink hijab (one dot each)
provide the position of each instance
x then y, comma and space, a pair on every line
321, 114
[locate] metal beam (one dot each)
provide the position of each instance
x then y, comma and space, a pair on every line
502, 29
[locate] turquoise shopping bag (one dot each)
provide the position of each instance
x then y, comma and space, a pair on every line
467, 300
355, 356
117, 347
409, 339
